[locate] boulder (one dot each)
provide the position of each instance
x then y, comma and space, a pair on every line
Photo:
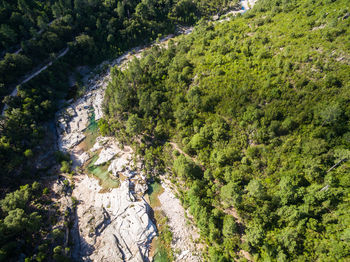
100, 142
118, 165
83, 158
70, 112
70, 140
106, 155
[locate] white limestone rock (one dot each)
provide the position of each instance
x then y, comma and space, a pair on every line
112, 225
141, 188
100, 142
70, 111
83, 158
106, 155
97, 104
118, 165
129, 173
110, 149
62, 125
70, 140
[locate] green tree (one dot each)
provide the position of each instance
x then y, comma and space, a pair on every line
17, 221
65, 166
229, 228
329, 114
28, 153
231, 194
134, 125
103, 127
198, 142
121, 9
255, 189
16, 199
8, 35
185, 168
254, 233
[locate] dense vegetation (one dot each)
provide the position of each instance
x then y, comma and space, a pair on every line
260, 107
93, 30
26, 227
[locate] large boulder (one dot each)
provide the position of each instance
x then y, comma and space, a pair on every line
106, 155
118, 165
71, 140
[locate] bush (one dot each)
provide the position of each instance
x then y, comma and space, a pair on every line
186, 169
65, 167
28, 153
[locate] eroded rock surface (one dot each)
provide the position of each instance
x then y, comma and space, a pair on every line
73, 120
113, 226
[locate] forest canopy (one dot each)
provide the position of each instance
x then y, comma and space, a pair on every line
260, 108
61, 35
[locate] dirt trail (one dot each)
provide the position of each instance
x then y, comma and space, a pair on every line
34, 74
176, 147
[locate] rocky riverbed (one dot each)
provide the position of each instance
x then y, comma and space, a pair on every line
112, 224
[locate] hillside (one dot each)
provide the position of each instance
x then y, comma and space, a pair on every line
252, 118
175, 130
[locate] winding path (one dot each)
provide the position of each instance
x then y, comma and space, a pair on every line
33, 38
32, 75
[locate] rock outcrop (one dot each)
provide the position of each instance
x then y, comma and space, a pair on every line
73, 120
